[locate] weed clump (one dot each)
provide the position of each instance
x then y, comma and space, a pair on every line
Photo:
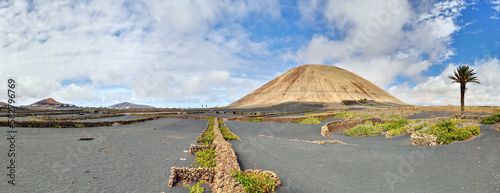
226, 134
351, 115
254, 183
209, 135
310, 120
448, 131
492, 119
205, 158
196, 188
368, 129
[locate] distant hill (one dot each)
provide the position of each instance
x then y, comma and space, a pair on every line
315, 83
50, 102
127, 105
3, 104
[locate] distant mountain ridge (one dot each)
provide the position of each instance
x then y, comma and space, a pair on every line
50, 102
127, 105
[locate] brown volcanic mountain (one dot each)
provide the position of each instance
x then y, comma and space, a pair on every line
315, 83
48, 102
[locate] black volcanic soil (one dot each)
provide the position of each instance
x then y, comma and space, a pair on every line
370, 164
128, 158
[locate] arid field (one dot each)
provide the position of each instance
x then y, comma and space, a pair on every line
138, 156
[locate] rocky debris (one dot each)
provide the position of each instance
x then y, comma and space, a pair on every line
324, 131
329, 141
190, 175
421, 139
116, 124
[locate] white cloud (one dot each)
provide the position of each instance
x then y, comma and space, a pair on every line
122, 50
439, 90
390, 37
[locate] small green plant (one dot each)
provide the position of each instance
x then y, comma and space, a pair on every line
343, 115
257, 120
310, 120
196, 188
492, 119
209, 135
205, 158
448, 131
226, 134
474, 130
254, 183
78, 125
368, 129
351, 115
421, 126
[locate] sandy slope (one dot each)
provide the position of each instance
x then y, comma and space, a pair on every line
315, 83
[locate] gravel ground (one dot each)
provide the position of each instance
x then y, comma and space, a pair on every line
119, 118
128, 158
370, 164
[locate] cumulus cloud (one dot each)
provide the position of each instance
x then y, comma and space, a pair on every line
391, 37
439, 90
156, 51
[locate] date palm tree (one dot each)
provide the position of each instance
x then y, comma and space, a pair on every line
463, 75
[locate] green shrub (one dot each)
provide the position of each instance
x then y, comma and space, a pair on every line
448, 131
226, 134
446, 138
196, 188
205, 158
473, 129
350, 115
209, 135
311, 120
421, 126
254, 183
343, 115
393, 117
364, 130
257, 120
492, 119
207, 138
461, 134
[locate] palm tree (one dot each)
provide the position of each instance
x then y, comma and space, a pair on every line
463, 75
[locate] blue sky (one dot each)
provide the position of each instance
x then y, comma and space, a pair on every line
193, 53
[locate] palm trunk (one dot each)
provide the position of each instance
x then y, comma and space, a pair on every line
462, 97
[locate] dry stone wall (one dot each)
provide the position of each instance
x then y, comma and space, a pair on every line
347, 124
190, 175
226, 161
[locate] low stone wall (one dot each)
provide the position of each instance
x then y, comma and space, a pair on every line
220, 177
420, 139
330, 127
190, 175
226, 161
195, 148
